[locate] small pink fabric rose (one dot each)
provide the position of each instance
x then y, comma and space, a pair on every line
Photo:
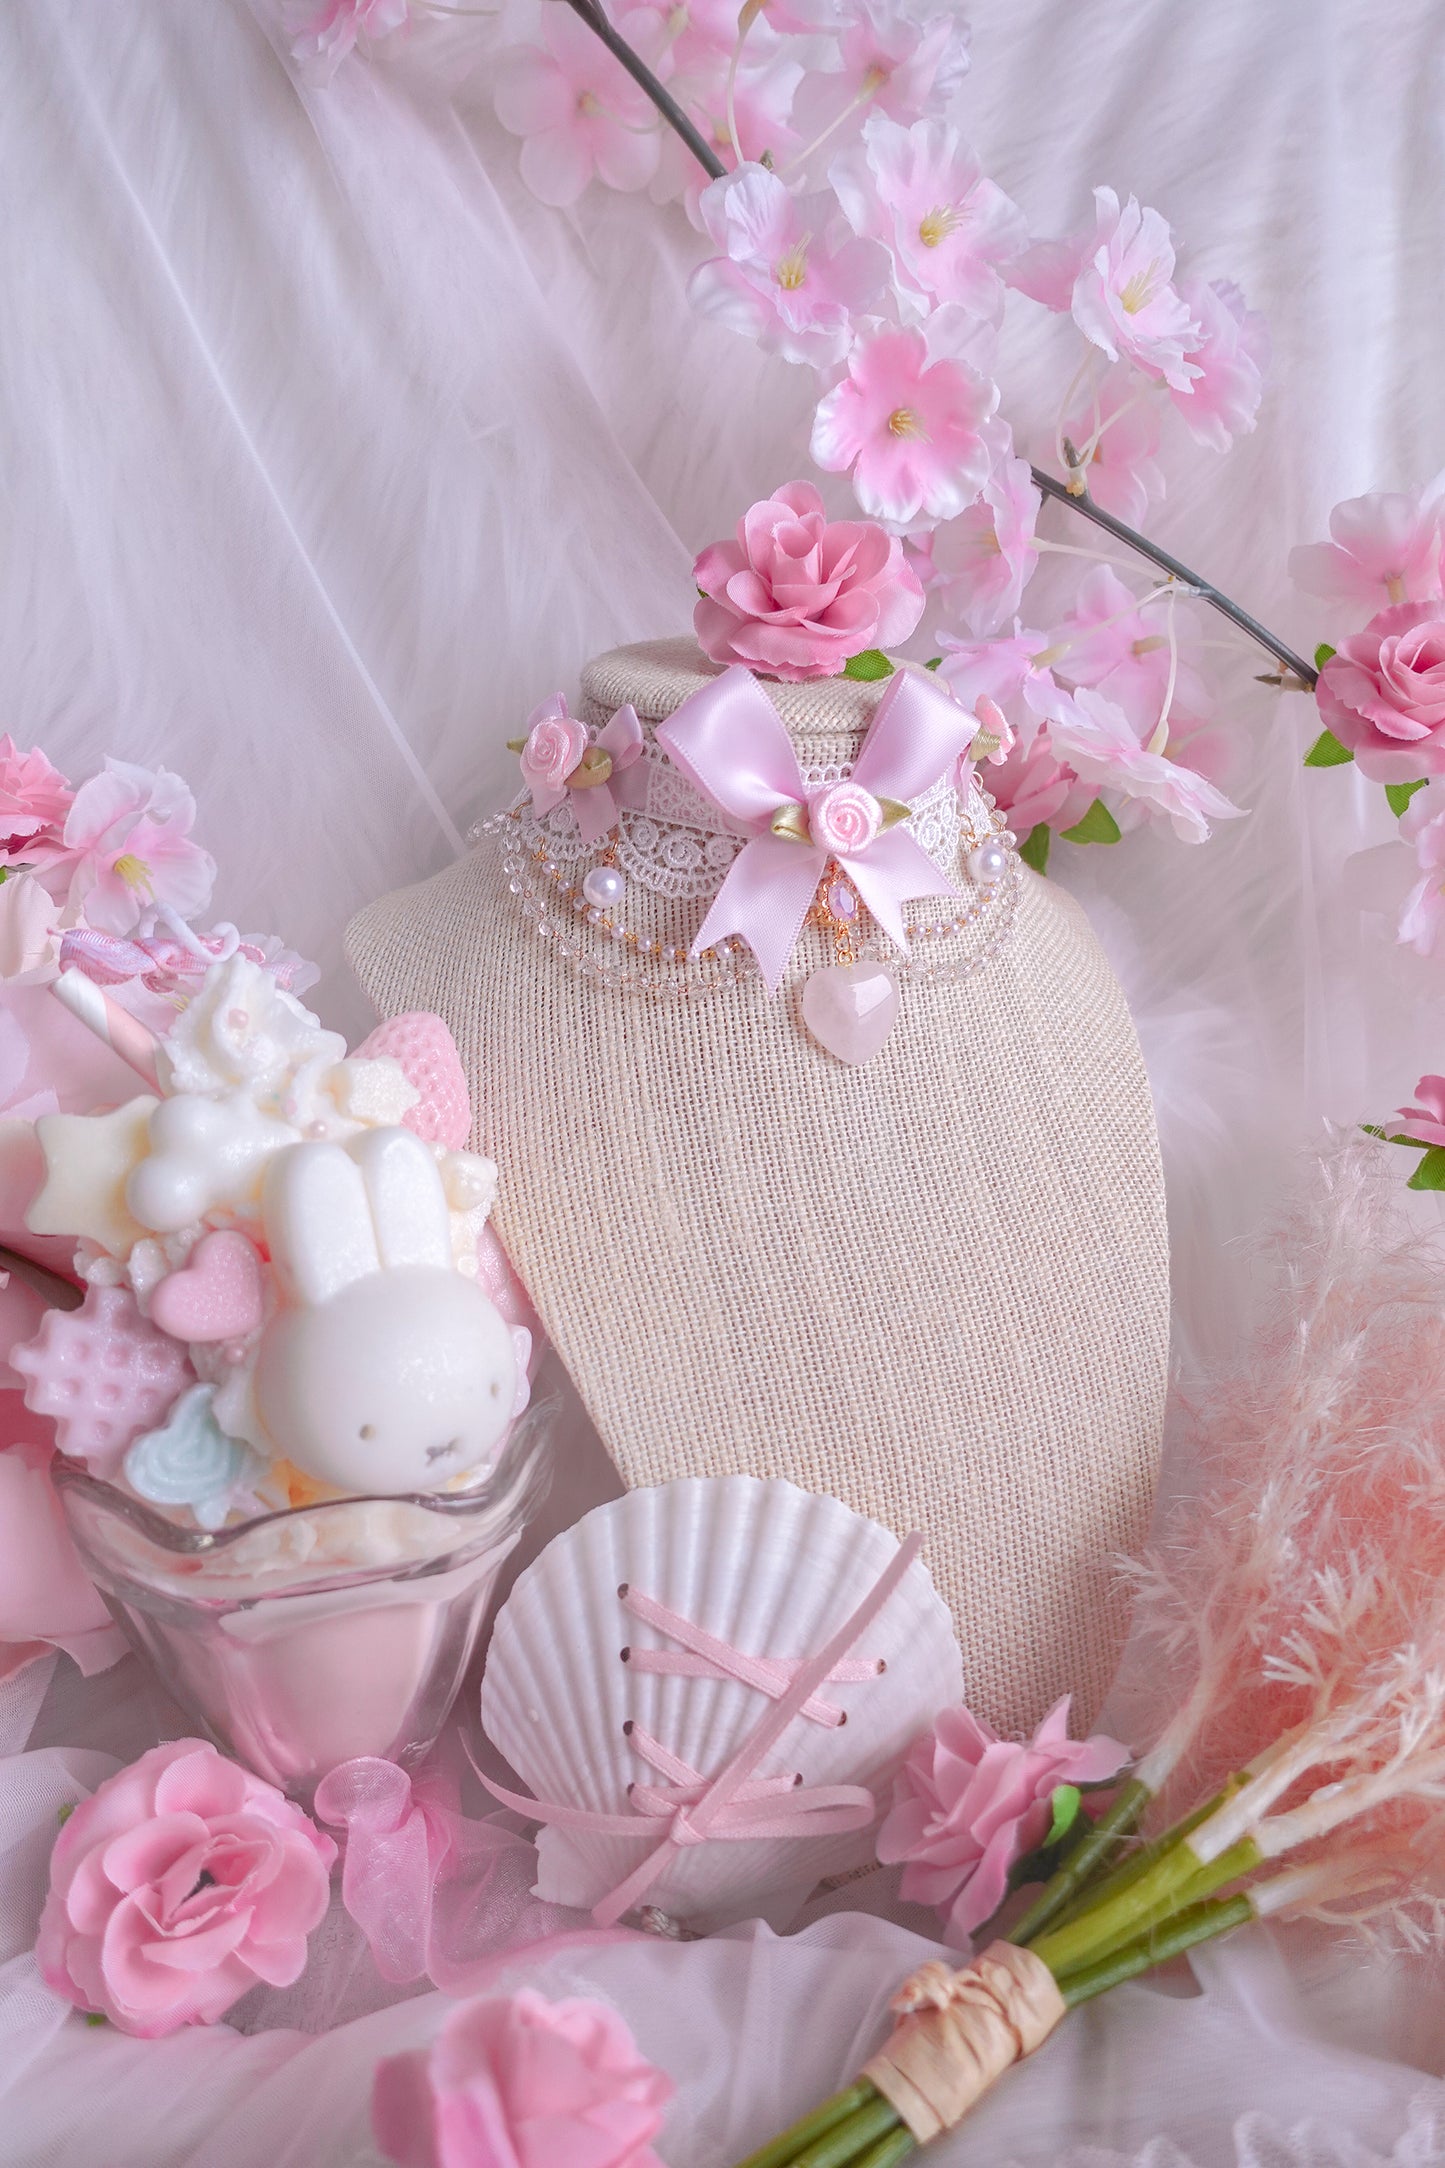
797, 594
555, 744
1383, 694
522, 2083
967, 1806
175, 1888
844, 818
1426, 1121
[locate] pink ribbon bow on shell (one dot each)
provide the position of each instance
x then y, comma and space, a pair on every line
557, 763
733, 746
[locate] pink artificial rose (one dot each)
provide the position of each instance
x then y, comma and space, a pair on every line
555, 744
844, 818
967, 1806
522, 2083
182, 1882
1383, 694
1425, 1122
34, 800
797, 594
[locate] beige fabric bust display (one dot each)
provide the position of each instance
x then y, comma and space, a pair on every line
934, 1284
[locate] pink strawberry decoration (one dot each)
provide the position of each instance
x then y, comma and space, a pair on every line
428, 1055
103, 1374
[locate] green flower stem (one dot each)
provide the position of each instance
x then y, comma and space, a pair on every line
1198, 1923
1107, 1834
1178, 1879
1137, 1863
842, 2146
896, 2146
782, 2151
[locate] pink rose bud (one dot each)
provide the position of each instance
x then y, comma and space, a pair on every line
555, 745
797, 595
844, 818
1383, 694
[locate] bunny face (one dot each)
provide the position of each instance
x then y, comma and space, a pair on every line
384, 1370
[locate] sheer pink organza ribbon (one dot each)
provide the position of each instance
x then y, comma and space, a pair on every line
733, 746
736, 1804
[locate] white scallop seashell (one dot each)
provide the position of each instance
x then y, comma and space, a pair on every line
774, 1571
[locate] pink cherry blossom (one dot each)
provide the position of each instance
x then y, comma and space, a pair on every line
1115, 430
1423, 828
968, 1806
781, 278
911, 430
923, 193
1109, 642
1425, 1122
889, 59
981, 562
1118, 281
182, 1882
1102, 746
580, 112
34, 800
1222, 400
1385, 548
1383, 694
522, 2083
127, 848
797, 594
334, 29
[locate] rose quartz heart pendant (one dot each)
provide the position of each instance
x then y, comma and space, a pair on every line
849, 1009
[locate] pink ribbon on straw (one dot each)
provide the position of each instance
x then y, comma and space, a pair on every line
398, 1836
735, 1805
733, 746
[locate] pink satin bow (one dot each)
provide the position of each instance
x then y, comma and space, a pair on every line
594, 804
733, 746
736, 1804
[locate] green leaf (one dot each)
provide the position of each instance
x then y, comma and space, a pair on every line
94, 2017
1323, 654
934, 662
1066, 1803
1327, 752
1097, 826
1034, 850
872, 663
1430, 1174
1398, 795
63, 1814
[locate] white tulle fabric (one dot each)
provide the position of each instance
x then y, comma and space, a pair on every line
327, 452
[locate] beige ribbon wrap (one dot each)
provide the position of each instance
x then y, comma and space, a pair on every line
960, 2032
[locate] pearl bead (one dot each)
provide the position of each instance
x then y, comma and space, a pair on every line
604, 887
989, 863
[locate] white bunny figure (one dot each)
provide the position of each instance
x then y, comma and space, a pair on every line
384, 1369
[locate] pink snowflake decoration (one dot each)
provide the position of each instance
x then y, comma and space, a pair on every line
912, 431
578, 109
923, 193
103, 1374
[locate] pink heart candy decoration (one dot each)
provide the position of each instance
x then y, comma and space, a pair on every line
218, 1294
429, 1059
849, 1009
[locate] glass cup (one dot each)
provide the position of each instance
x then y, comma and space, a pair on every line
301, 1639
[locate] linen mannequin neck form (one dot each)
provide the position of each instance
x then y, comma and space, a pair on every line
934, 1285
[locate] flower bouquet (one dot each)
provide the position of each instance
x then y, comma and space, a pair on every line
1298, 1604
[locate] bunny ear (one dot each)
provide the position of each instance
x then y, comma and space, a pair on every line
317, 1221
408, 1203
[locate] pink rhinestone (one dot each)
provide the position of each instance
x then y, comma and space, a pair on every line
841, 900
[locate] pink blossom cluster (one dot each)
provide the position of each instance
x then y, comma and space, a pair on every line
856, 232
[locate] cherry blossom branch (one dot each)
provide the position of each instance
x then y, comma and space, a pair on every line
1294, 671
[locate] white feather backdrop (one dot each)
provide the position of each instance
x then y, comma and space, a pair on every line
325, 451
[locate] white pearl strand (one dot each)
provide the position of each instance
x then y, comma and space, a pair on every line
639, 963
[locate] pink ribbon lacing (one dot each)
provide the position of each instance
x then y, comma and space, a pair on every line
736, 1804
